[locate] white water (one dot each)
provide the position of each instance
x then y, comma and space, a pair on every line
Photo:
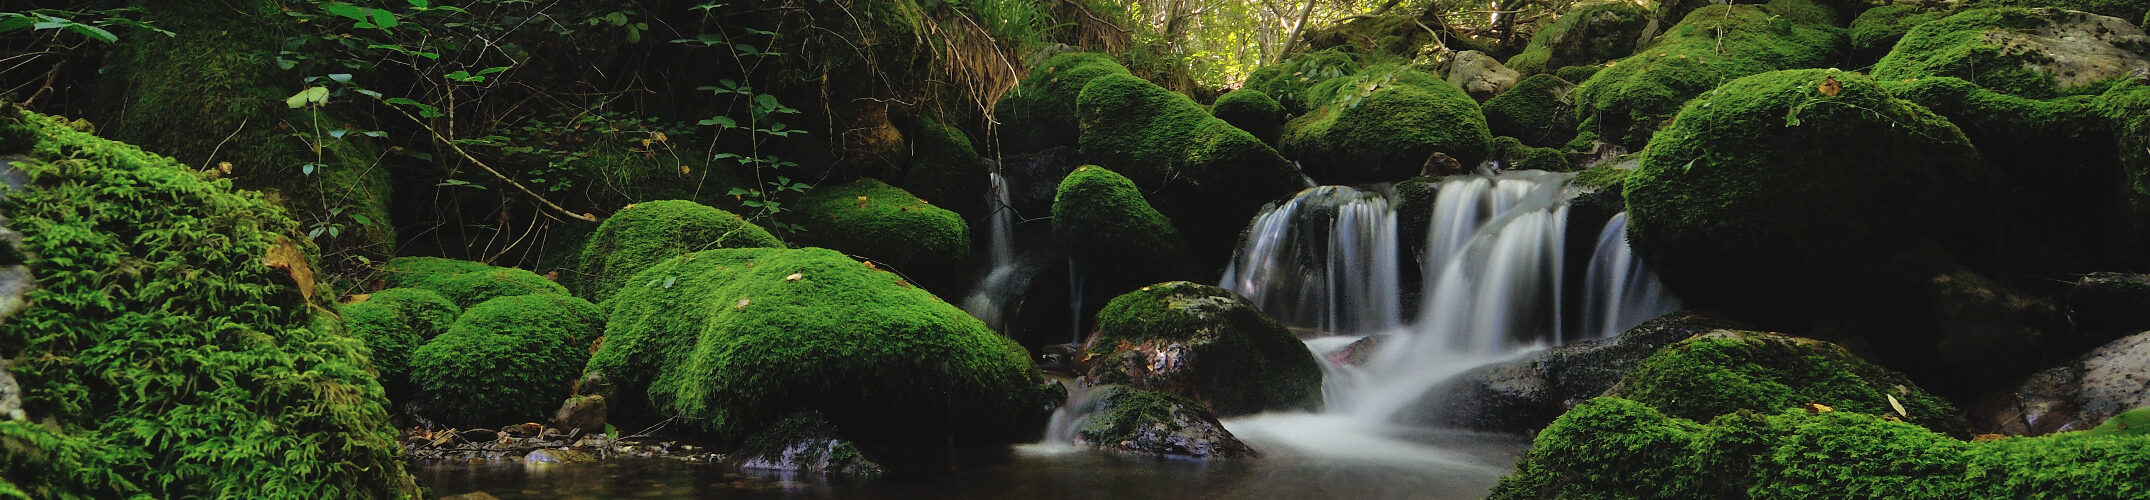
986, 300
1305, 261
1622, 292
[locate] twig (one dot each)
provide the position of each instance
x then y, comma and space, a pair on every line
206, 163
489, 169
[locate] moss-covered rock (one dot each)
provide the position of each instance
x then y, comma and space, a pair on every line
1204, 343
1877, 30
1157, 424
1040, 113
944, 169
1587, 34
1742, 201
804, 443
1629, 100
733, 340
1382, 124
505, 361
644, 233
393, 323
1725, 371
1100, 219
2127, 111
175, 344
1616, 448
871, 219
1511, 153
2124, 9
1538, 111
464, 282
1252, 111
1290, 81
2035, 53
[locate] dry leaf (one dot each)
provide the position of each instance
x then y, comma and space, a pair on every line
862, 203
1819, 408
224, 166
794, 276
284, 254
684, 170
661, 138
357, 298
645, 143
742, 304
1830, 87
1897, 405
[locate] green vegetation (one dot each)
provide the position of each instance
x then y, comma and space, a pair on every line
1516, 155
1100, 218
732, 340
1538, 111
177, 346
1587, 34
1291, 81
1158, 424
644, 233
464, 282
1726, 371
1966, 45
393, 323
1252, 111
870, 219
2124, 9
1222, 350
1382, 124
1631, 99
1041, 112
1875, 32
505, 361
945, 170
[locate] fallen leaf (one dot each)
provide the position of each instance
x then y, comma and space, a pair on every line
794, 276
1897, 405
742, 304
357, 298
661, 138
224, 166
1819, 408
862, 203
1830, 87
684, 170
284, 254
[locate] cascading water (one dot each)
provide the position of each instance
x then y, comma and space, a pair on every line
1308, 262
986, 300
1621, 292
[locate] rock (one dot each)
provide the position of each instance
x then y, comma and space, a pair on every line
1205, 343
804, 443
2123, 9
1539, 111
1040, 113
641, 234
1291, 82
1525, 394
745, 337
505, 360
1511, 154
393, 323
2134, 422
549, 456
1587, 34
926, 244
2035, 53
1034, 178
464, 282
1480, 75
1158, 424
1877, 30
1381, 124
1728, 371
2110, 302
2076, 396
10, 395
1630, 100
1988, 334
1252, 111
585, 413
1116, 240
944, 169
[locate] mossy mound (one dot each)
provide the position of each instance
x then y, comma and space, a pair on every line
2124, 9
733, 340
1629, 100
175, 344
1382, 124
1726, 371
1157, 424
2127, 110
1252, 111
1290, 81
945, 170
1214, 346
464, 282
1616, 448
644, 233
1040, 113
2018, 51
506, 360
393, 323
804, 443
1877, 30
1538, 111
1100, 219
1587, 34
1743, 201
872, 219
1513, 154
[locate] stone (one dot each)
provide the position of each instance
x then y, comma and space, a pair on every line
2077, 396
804, 443
586, 413
1205, 343
2110, 302
1480, 75
1158, 424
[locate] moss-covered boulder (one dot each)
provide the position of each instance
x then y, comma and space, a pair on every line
1538, 111
1511, 153
1291, 81
1252, 111
1744, 201
2123, 9
393, 323
505, 361
1204, 343
644, 233
1099, 217
175, 344
733, 340
1040, 113
1382, 124
1157, 424
871, 219
1629, 100
1586, 34
2035, 53
464, 282
1877, 30
804, 443
1725, 371
944, 169
1616, 448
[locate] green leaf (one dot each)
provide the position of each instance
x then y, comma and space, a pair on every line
491, 70
616, 19
10, 21
314, 96
721, 121
384, 18
340, 77
362, 219
93, 32
421, 3
348, 10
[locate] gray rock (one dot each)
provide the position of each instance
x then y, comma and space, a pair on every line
1481, 75
1157, 424
2078, 47
803, 443
1526, 394
2077, 396
586, 413
10, 394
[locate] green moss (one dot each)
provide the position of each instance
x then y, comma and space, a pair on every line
1512, 153
1157, 424
1803, 12
2126, 109
1222, 350
1414, 211
464, 282
1252, 111
1100, 219
1629, 100
1382, 124
945, 170
1726, 371
1587, 34
1209, 176
871, 219
2123, 9
505, 361
1605, 175
393, 323
1578, 73
645, 233
1538, 111
805, 442
1040, 113
160, 356
2134, 422
1965, 45
1615, 448
733, 340
1875, 32
1289, 81
1741, 201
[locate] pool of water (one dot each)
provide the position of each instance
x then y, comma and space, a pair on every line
1303, 456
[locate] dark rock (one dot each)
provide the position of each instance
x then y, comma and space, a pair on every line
1033, 178
1988, 334
1539, 111
1205, 343
1733, 371
2101, 384
1158, 424
804, 443
1588, 34
586, 413
2110, 302
1525, 394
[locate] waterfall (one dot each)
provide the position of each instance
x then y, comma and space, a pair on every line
993, 291
1315, 262
1620, 292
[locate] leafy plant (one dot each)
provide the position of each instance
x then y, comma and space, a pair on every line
762, 122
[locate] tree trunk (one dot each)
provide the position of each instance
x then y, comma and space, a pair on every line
1291, 40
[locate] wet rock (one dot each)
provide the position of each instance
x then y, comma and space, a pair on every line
1988, 333
557, 456
1525, 394
1732, 371
2034, 53
475, 495
584, 413
1034, 178
10, 394
1158, 424
2105, 382
1481, 75
1205, 343
2110, 302
804, 443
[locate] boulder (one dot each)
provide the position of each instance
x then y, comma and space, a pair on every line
1587, 34
1291, 82
505, 360
1157, 424
1382, 124
1539, 111
1040, 114
1632, 98
643, 233
944, 168
464, 282
585, 413
871, 219
803, 443
2123, 9
2110, 302
1480, 75
1115, 239
1252, 111
1205, 343
1523, 395
1728, 371
393, 323
2075, 396
2035, 53
1877, 30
